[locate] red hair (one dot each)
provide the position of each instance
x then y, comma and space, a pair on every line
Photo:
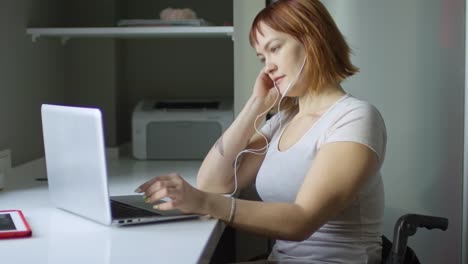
328, 54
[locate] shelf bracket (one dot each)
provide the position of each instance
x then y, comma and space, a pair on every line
64, 40
34, 37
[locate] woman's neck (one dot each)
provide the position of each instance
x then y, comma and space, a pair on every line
319, 102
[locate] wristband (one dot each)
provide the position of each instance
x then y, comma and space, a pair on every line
233, 210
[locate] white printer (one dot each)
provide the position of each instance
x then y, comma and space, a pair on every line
177, 129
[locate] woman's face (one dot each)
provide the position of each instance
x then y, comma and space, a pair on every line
283, 57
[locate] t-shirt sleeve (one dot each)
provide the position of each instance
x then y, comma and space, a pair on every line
361, 124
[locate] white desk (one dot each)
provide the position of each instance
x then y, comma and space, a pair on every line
60, 237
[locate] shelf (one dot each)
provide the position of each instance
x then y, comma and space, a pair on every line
130, 32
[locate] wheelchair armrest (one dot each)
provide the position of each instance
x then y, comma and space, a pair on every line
406, 226
426, 221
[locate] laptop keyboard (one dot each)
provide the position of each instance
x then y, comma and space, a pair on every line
120, 210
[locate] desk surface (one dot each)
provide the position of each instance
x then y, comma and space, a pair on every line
61, 237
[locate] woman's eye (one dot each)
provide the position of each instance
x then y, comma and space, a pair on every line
274, 49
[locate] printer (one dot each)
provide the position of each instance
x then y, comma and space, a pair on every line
178, 129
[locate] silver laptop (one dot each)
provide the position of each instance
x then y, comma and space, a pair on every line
77, 171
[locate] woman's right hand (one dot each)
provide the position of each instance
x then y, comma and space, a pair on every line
264, 88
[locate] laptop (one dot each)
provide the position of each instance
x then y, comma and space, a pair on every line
77, 170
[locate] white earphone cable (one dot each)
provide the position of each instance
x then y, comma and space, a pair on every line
260, 151
263, 150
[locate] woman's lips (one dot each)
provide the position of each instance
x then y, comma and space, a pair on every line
278, 80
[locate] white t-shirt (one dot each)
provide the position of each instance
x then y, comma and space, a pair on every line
354, 235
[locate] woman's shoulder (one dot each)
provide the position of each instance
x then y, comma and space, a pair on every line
354, 102
358, 121
353, 105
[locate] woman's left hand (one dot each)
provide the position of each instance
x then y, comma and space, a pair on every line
183, 196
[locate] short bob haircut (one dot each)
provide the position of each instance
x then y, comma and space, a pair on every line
328, 54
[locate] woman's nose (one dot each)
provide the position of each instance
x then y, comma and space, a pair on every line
269, 67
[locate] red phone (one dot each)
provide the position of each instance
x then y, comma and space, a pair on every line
13, 224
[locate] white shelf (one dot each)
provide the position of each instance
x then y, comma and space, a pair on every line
130, 32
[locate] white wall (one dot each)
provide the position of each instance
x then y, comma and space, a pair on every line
30, 73
411, 55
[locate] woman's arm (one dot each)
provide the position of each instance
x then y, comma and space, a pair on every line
336, 175
332, 183
216, 173
217, 170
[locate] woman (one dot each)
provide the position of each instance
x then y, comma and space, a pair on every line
316, 163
